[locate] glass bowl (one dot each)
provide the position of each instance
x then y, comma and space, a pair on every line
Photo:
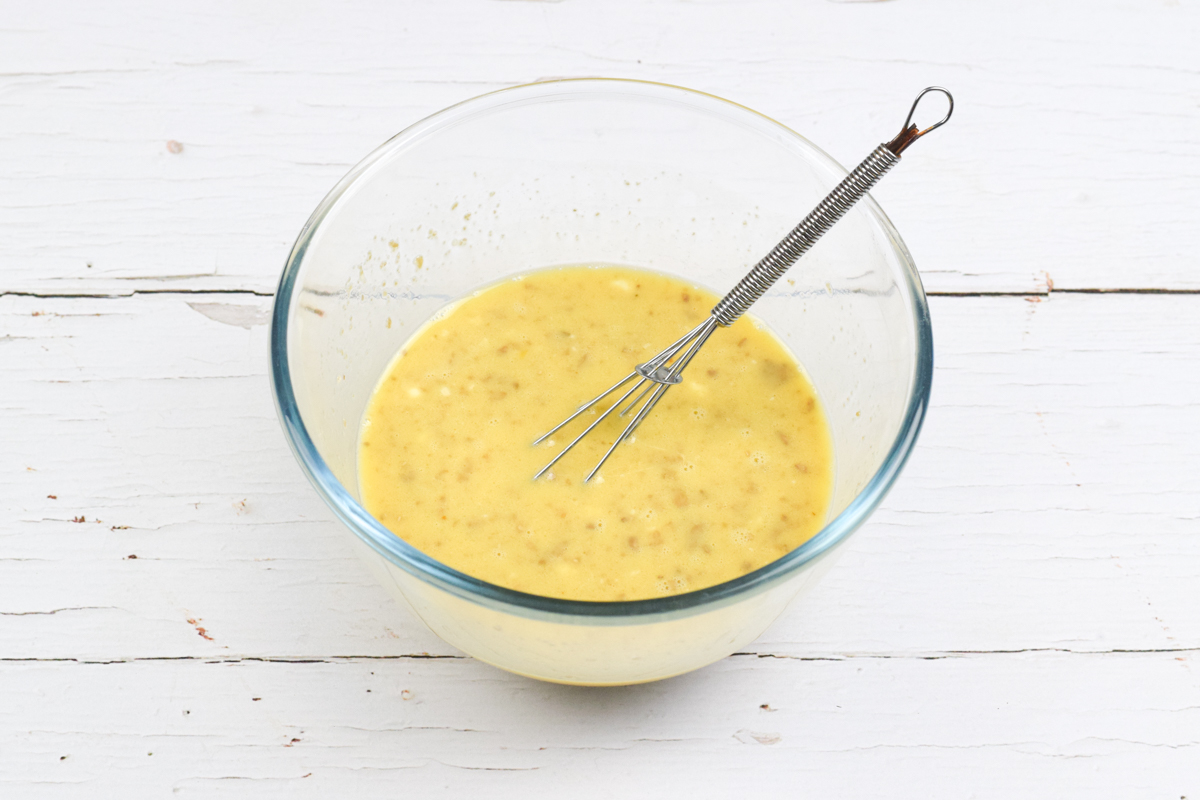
596, 171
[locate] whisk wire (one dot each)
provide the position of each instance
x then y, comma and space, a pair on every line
584, 408
701, 333
650, 386
656, 381
595, 422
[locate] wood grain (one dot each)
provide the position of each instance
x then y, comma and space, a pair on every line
1020, 618
1052, 497
1069, 159
986, 727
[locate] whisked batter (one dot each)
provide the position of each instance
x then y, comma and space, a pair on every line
732, 471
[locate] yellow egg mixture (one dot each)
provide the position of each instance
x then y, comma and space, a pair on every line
731, 470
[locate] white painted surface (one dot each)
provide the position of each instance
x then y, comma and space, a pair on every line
1021, 618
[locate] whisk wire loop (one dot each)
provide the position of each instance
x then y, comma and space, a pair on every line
702, 332
652, 375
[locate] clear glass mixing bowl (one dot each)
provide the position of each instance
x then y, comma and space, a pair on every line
596, 171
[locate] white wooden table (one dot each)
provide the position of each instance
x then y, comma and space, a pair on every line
181, 616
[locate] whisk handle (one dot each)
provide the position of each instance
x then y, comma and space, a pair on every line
820, 219
803, 236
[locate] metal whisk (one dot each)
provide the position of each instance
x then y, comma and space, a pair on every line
666, 369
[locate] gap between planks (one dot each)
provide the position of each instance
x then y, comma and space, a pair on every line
254, 293
930, 656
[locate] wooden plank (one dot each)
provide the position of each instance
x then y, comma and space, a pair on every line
1051, 502
1070, 158
1020, 618
994, 726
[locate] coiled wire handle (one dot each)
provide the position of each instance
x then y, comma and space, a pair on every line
805, 235
820, 219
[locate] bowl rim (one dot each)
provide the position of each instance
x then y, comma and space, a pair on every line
406, 557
